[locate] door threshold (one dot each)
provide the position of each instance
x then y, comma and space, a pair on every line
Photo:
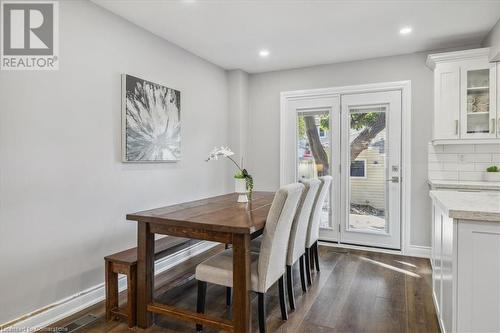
360, 247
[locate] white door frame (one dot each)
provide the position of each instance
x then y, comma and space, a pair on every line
405, 87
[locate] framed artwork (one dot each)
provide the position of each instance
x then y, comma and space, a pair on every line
151, 121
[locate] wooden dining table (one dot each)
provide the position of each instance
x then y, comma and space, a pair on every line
219, 219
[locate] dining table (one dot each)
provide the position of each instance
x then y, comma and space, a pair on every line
219, 219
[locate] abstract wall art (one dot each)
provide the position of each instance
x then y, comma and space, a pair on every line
151, 121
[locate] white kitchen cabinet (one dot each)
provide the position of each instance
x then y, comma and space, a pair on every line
465, 97
447, 101
465, 272
436, 257
478, 304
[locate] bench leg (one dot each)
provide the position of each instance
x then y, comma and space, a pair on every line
111, 279
131, 296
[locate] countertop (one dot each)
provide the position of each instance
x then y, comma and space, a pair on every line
466, 185
479, 206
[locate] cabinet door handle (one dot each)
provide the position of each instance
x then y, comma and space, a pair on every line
492, 130
456, 127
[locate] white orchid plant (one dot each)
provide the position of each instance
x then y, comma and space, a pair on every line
241, 174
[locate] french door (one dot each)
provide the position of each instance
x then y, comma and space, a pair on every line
355, 138
310, 141
371, 156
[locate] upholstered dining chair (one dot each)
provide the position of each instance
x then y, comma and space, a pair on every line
298, 234
266, 267
312, 256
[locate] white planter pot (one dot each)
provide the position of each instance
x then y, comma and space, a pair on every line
240, 187
492, 176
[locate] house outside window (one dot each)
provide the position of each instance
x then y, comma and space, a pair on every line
358, 169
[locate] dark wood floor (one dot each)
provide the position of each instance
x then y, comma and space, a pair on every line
355, 291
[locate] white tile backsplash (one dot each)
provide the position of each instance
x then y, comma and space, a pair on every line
471, 175
443, 175
472, 157
481, 166
461, 162
466, 166
443, 157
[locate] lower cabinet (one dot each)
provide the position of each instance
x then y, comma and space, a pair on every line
466, 273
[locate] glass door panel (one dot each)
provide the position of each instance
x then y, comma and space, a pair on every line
478, 101
367, 174
314, 151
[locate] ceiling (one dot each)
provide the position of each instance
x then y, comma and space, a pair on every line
301, 33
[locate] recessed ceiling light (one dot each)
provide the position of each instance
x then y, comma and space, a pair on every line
264, 53
405, 30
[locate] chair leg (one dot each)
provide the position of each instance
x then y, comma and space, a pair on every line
302, 274
228, 296
262, 312
281, 288
311, 257
316, 256
289, 287
308, 265
200, 305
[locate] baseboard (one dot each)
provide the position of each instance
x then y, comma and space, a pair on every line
418, 251
68, 306
410, 251
359, 247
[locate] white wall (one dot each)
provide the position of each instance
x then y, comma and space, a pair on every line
264, 97
238, 113
63, 191
493, 40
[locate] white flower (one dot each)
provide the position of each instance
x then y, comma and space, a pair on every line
222, 151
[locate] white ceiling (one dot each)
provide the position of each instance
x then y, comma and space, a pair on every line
302, 33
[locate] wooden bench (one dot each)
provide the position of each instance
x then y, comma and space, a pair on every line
125, 262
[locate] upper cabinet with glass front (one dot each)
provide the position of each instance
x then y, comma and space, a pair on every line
465, 97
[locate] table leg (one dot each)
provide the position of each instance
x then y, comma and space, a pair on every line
145, 273
241, 283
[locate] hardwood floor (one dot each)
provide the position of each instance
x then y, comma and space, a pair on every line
355, 291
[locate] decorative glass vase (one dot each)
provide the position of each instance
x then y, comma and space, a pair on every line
240, 187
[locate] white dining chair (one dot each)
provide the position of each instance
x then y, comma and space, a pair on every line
312, 255
297, 242
298, 234
266, 267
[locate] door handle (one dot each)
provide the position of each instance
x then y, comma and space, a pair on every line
393, 179
456, 127
492, 130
